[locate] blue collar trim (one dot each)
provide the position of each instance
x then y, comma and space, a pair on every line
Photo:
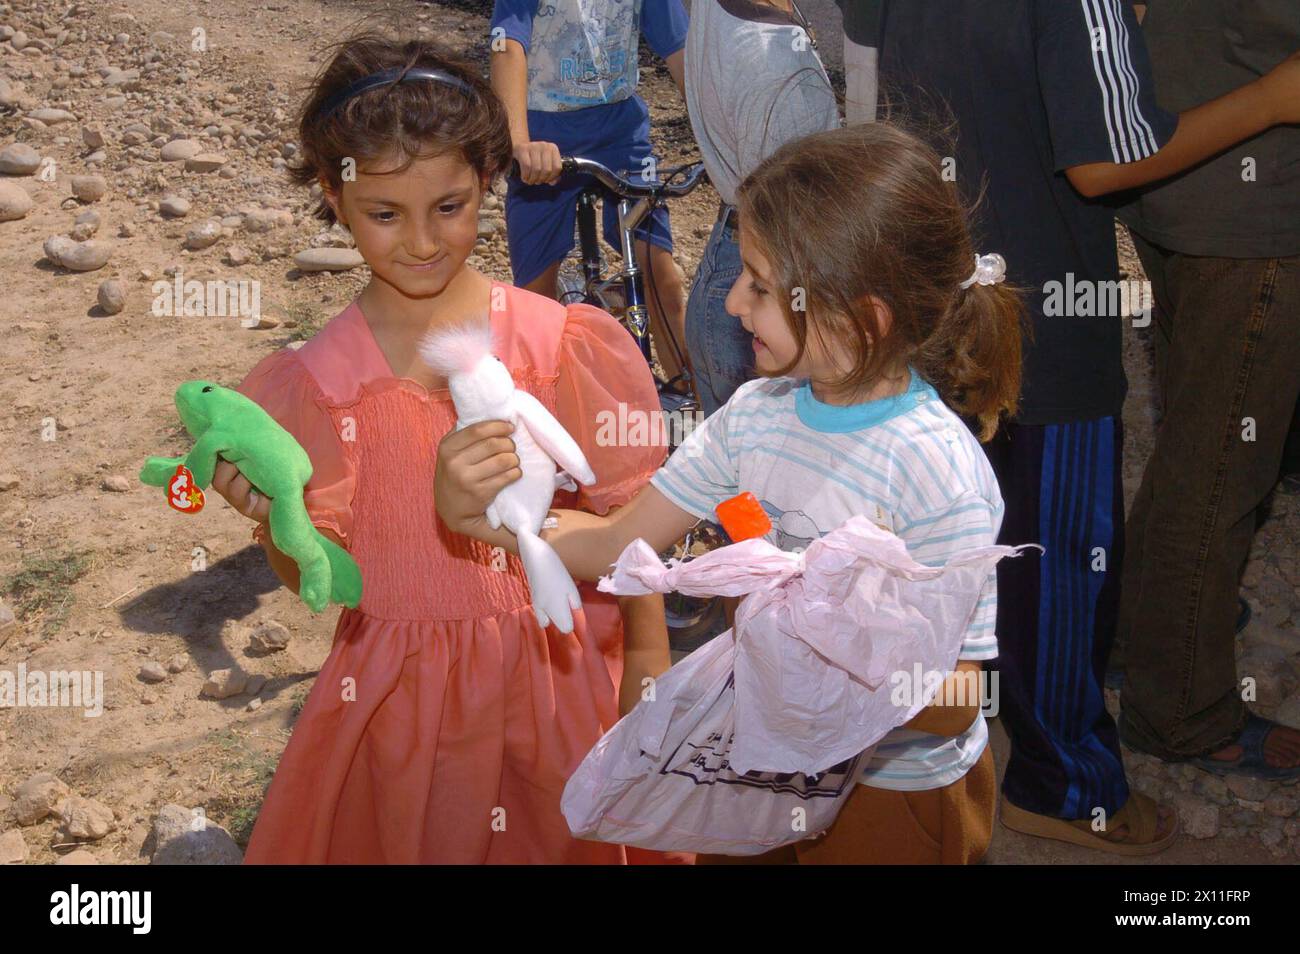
841, 419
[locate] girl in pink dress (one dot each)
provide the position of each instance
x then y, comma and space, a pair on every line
445, 721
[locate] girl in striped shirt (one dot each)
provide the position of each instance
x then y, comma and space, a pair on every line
876, 329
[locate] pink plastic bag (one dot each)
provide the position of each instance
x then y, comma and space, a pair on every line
756, 739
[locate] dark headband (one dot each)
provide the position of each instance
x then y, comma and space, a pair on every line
396, 75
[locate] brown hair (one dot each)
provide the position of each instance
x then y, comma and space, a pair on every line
865, 211
407, 120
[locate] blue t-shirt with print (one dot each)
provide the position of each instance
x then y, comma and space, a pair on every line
583, 53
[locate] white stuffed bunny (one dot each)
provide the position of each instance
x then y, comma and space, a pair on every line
482, 390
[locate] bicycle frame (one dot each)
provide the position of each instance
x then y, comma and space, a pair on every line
630, 215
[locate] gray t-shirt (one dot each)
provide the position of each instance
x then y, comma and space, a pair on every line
1245, 203
753, 82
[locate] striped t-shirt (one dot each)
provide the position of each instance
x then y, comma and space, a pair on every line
906, 462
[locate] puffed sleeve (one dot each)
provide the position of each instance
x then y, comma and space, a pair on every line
286, 390
606, 399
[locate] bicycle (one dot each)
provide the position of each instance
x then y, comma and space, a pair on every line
691, 620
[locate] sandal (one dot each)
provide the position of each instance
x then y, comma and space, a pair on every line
1139, 819
1251, 762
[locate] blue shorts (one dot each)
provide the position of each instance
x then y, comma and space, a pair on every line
540, 219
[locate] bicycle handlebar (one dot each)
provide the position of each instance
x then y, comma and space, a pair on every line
629, 188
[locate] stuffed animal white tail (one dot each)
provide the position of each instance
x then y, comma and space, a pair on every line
482, 390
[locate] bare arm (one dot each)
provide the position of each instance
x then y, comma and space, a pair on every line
509, 76
475, 463
237, 491
676, 63
1202, 132
538, 161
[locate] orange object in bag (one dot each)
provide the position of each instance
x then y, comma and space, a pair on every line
743, 517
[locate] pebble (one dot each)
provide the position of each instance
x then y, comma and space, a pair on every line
116, 484
89, 188
111, 296
174, 206
179, 150
19, 159
224, 683
8, 481
204, 235
253, 706
178, 663
268, 637
153, 672
256, 683
328, 259
86, 819
14, 201
93, 137
237, 255
205, 162
38, 797
77, 256
79, 857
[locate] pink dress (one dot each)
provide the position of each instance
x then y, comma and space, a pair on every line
445, 721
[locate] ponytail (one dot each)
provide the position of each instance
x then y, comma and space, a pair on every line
975, 365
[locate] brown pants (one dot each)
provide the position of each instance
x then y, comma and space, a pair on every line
950, 826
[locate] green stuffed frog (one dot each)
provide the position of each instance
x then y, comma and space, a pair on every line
226, 423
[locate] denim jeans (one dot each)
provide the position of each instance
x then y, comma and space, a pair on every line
1227, 336
721, 350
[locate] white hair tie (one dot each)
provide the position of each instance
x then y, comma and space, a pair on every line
989, 270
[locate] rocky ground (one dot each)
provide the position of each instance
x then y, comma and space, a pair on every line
143, 141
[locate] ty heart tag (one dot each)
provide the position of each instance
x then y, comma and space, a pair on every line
182, 494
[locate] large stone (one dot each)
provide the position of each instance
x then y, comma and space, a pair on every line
85, 819
13, 848
19, 159
1248, 788
111, 296
204, 235
205, 162
1199, 818
78, 256
153, 672
37, 797
79, 857
328, 259
184, 837
89, 188
174, 206
224, 683
52, 117
179, 150
14, 201
265, 220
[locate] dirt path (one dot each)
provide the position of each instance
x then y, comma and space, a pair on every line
101, 575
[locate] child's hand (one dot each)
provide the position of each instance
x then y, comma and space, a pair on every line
1282, 83
473, 465
239, 493
538, 162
